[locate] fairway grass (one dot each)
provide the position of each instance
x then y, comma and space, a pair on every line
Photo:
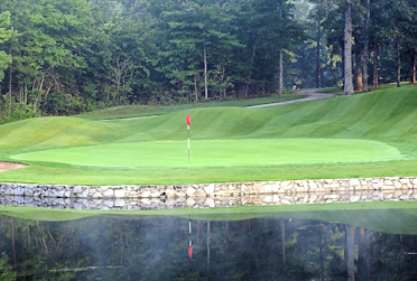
132, 111
218, 153
366, 135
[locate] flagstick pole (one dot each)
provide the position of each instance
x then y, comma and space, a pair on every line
188, 126
189, 227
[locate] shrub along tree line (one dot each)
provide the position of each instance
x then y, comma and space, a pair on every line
61, 57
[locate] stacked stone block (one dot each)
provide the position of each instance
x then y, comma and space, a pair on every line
207, 195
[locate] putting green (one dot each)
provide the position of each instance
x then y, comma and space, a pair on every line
218, 153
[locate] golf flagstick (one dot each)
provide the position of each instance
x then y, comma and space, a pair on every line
190, 241
190, 248
188, 120
188, 126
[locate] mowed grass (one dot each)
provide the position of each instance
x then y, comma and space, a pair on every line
218, 153
120, 112
385, 120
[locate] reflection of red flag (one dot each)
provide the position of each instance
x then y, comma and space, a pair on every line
190, 251
188, 120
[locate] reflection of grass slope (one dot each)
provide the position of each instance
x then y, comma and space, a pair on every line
386, 116
389, 217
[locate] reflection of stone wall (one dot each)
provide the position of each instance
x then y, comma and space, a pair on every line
288, 198
219, 190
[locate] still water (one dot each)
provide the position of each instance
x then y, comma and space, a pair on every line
319, 245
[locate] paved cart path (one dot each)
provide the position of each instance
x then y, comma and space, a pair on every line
312, 95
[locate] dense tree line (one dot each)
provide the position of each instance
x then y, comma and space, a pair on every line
60, 57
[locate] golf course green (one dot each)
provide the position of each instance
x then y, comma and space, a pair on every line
365, 135
212, 153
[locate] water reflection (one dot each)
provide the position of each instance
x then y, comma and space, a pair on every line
158, 248
288, 198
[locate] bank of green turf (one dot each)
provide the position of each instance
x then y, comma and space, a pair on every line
146, 110
387, 117
332, 90
388, 217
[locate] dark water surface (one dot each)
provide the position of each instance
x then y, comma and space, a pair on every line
293, 246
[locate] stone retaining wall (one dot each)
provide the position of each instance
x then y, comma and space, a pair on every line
212, 202
218, 190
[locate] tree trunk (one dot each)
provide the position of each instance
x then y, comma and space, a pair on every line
364, 255
399, 256
281, 59
208, 248
358, 73
10, 91
413, 68
376, 66
38, 92
225, 85
366, 46
281, 72
318, 64
366, 263
350, 252
343, 64
348, 89
376, 255
197, 88
321, 254
10, 84
14, 245
250, 69
205, 74
361, 252
26, 94
398, 64
283, 245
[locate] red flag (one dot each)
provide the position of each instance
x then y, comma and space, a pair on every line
190, 251
188, 120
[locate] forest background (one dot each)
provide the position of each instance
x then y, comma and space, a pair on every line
64, 57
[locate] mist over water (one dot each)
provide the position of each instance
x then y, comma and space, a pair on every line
290, 246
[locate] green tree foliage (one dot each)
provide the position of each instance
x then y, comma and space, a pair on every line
64, 57
200, 47
5, 35
6, 270
46, 54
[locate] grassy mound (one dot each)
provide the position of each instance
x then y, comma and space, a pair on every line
386, 117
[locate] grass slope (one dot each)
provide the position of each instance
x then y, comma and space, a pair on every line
386, 116
119, 112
